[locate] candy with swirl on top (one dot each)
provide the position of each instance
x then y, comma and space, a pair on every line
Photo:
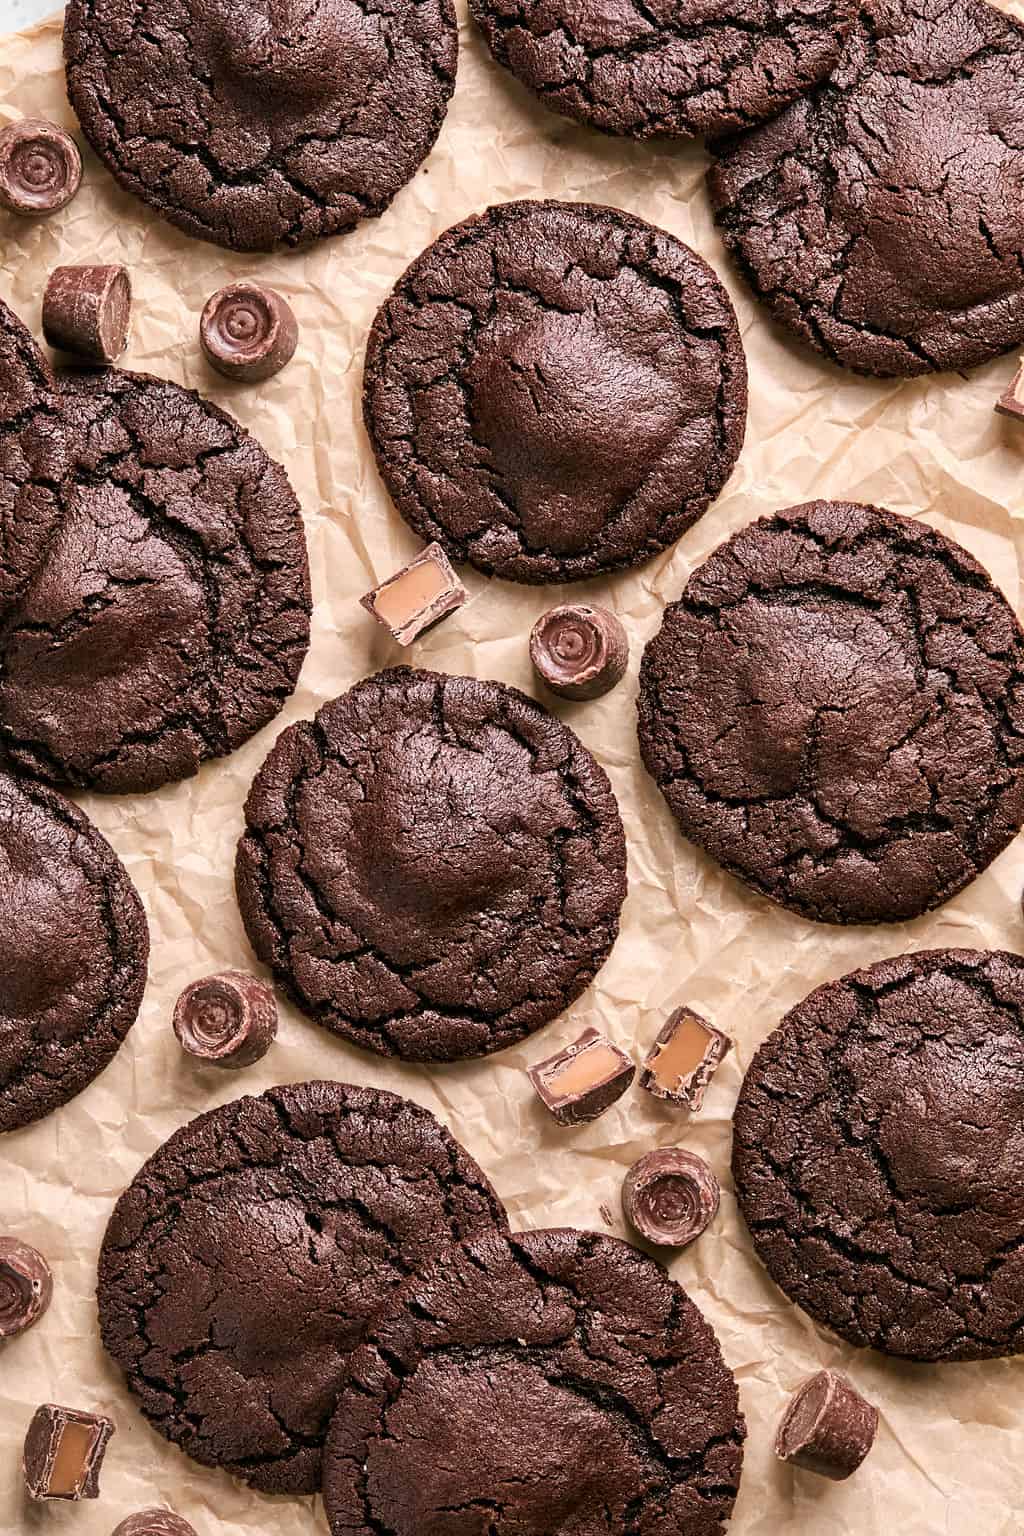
155, 1522
88, 311
26, 1287
248, 332
229, 1020
670, 1196
580, 651
40, 168
828, 1427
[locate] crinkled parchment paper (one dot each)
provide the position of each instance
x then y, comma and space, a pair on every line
950, 1450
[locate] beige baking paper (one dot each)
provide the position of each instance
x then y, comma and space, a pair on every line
949, 1459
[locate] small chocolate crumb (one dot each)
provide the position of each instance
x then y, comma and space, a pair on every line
606, 1215
417, 597
248, 332
580, 651
583, 1080
155, 1522
88, 311
683, 1059
828, 1427
40, 168
228, 1020
670, 1197
64, 1450
1011, 401
26, 1287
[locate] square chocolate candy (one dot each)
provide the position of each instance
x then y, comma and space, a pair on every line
583, 1080
64, 1450
683, 1059
417, 597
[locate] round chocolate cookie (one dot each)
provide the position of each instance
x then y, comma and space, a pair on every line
170, 618
683, 69
433, 867
75, 948
880, 217
251, 1253
554, 390
548, 1381
265, 123
878, 1148
33, 457
834, 710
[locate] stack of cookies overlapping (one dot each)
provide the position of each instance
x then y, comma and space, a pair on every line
316, 1288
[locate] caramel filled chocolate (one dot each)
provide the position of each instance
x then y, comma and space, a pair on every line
155, 1522
582, 1081
248, 332
828, 1427
40, 168
1011, 401
683, 1059
88, 311
417, 597
64, 1451
670, 1197
26, 1287
579, 650
229, 1020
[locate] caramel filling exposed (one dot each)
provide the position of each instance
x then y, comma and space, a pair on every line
400, 601
594, 1065
682, 1053
71, 1462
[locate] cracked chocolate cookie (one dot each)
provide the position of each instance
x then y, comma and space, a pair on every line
554, 390
434, 867
682, 70
33, 457
834, 710
878, 1146
258, 123
75, 948
548, 1381
170, 617
251, 1253
880, 218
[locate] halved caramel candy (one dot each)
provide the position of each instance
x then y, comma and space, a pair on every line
64, 1451
419, 596
1011, 401
582, 1081
683, 1059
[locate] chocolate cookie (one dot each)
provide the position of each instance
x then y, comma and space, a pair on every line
33, 457
879, 1141
554, 390
549, 1381
682, 70
170, 618
267, 122
880, 217
834, 710
433, 867
253, 1250
75, 947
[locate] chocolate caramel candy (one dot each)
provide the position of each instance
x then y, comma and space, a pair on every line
1011, 401
248, 332
88, 311
228, 1020
582, 1081
579, 651
155, 1522
417, 597
683, 1059
828, 1427
64, 1451
670, 1196
40, 168
26, 1287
